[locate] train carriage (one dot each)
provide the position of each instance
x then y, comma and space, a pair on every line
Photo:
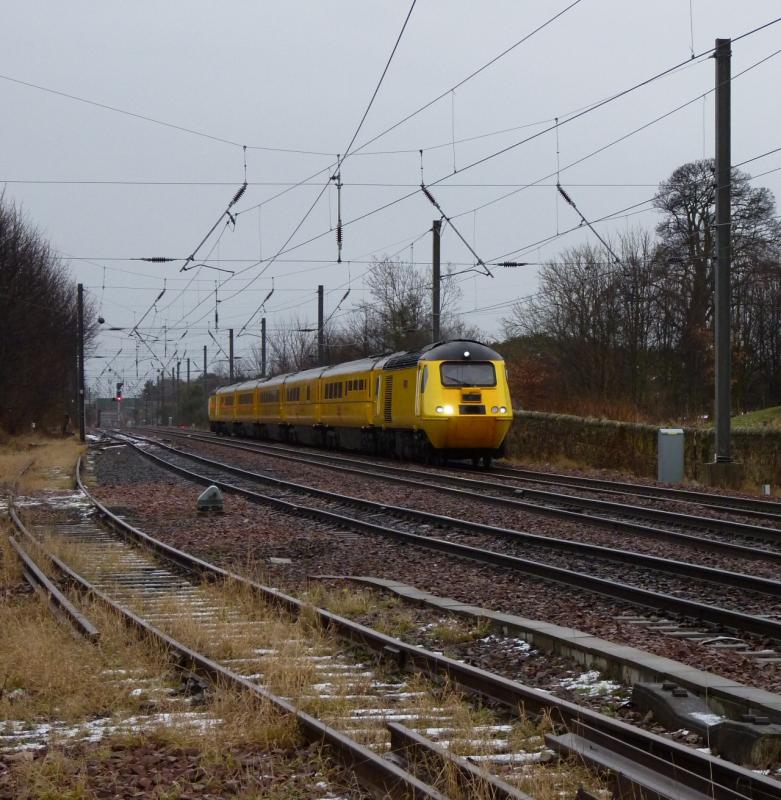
446, 400
302, 401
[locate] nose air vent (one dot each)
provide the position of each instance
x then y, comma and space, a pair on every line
389, 398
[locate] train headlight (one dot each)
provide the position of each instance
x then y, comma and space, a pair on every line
440, 409
503, 410
494, 409
444, 409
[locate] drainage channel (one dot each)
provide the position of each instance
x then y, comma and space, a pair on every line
305, 667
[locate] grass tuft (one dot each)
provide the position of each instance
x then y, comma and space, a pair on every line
32, 462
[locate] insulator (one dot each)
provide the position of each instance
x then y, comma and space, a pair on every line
339, 234
157, 259
429, 195
239, 193
565, 195
513, 264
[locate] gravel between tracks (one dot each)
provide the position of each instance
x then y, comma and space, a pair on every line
475, 510
601, 565
248, 534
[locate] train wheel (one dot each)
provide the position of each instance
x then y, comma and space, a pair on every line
487, 462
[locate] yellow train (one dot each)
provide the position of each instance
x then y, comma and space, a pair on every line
448, 400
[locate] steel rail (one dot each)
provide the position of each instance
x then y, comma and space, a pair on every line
476, 489
665, 602
726, 781
767, 509
731, 503
715, 575
373, 771
56, 599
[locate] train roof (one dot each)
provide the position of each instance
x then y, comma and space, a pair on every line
455, 349
348, 367
451, 349
239, 387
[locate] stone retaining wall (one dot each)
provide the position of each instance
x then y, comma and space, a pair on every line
628, 446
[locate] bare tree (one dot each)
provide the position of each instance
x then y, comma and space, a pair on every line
38, 336
398, 315
640, 331
687, 200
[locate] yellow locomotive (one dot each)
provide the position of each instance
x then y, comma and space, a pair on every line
447, 400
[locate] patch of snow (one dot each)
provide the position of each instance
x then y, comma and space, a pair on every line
17, 735
706, 718
589, 684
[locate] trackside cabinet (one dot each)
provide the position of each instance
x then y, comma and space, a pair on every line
670, 455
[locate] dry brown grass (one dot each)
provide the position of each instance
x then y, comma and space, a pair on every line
287, 672
61, 676
64, 679
250, 738
10, 568
30, 463
393, 615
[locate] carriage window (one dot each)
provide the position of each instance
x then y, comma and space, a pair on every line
468, 373
245, 399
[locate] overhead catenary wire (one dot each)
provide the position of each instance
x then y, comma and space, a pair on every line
341, 160
348, 221
573, 117
154, 120
569, 119
603, 148
471, 75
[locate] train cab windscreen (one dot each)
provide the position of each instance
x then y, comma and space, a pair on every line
468, 373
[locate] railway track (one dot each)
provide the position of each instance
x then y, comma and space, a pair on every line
720, 534
750, 596
359, 709
122, 566
745, 506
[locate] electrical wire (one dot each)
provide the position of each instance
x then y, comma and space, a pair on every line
503, 150
145, 118
342, 158
469, 77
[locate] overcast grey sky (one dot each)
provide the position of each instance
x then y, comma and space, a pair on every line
105, 187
